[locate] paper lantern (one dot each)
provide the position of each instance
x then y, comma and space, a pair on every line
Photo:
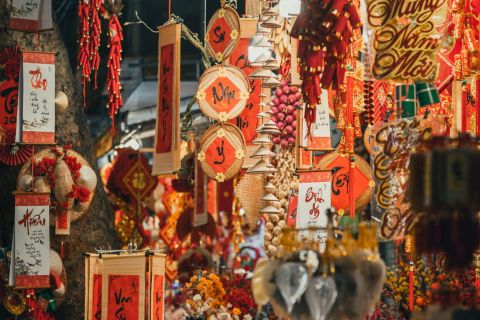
126, 286
223, 33
222, 151
223, 92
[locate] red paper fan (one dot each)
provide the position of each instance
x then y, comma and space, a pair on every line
14, 155
10, 61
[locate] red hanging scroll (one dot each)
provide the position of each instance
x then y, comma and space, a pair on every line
166, 159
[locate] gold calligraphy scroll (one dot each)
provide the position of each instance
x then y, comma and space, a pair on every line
166, 155
407, 36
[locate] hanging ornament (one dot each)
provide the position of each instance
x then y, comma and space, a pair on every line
321, 295
89, 12
222, 151
115, 38
223, 33
292, 280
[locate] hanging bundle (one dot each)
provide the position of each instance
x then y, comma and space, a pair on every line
94, 43
89, 43
83, 56
115, 38
325, 29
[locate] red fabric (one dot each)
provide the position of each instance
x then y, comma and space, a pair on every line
165, 100
219, 35
247, 121
123, 297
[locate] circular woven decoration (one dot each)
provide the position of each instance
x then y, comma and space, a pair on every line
78, 210
222, 151
223, 33
223, 92
362, 180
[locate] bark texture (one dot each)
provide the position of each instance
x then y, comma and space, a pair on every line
96, 228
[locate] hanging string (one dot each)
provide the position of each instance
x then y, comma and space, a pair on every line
140, 21
169, 9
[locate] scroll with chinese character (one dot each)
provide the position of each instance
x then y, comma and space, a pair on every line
157, 287
247, 121
31, 241
93, 287
200, 211
314, 198
31, 15
166, 158
36, 103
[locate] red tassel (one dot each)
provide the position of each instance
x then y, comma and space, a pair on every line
477, 105
351, 180
411, 300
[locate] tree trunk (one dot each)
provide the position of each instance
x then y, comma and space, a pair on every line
96, 228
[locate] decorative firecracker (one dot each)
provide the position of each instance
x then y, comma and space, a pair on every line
324, 30
88, 57
286, 101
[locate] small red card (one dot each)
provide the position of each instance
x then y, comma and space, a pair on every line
158, 297
123, 297
97, 297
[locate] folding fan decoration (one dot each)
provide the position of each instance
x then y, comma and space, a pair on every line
166, 157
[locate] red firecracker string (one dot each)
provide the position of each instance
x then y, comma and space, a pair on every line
114, 58
84, 39
324, 30
95, 32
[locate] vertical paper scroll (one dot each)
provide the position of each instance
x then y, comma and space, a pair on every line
36, 103
157, 285
314, 198
247, 121
93, 287
31, 15
166, 159
303, 157
31, 241
320, 134
200, 211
